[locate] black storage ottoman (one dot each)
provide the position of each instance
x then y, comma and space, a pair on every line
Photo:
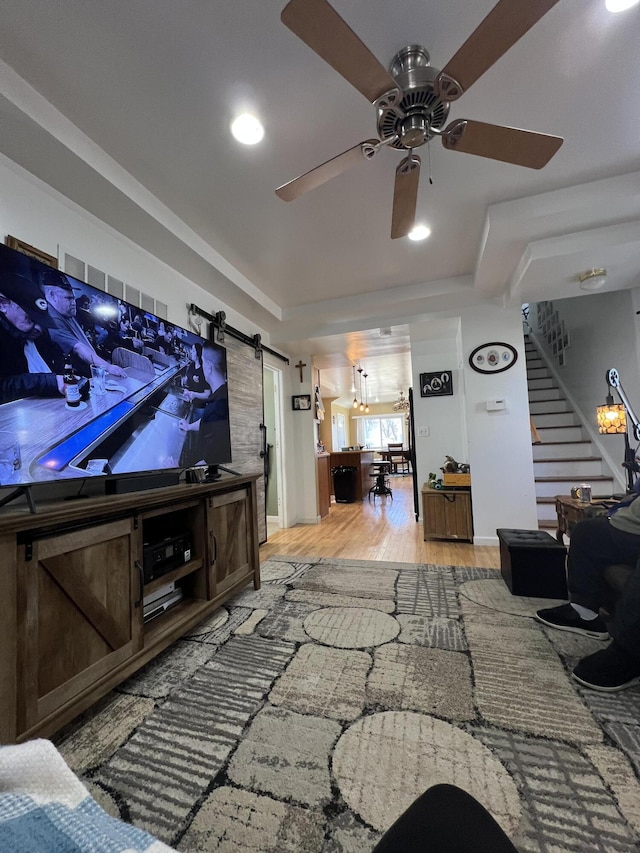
532, 563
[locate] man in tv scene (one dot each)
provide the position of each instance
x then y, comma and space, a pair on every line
196, 389
67, 332
31, 364
211, 429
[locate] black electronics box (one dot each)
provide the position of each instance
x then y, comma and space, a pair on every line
123, 485
158, 558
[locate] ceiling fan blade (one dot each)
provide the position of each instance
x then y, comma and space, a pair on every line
405, 196
509, 144
324, 31
507, 22
323, 173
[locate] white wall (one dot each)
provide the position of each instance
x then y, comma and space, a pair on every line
503, 489
37, 214
497, 445
603, 330
435, 346
301, 452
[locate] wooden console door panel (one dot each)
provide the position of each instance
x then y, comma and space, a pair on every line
447, 514
78, 614
230, 538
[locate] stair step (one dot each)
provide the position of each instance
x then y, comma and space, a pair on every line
546, 407
556, 419
575, 469
538, 372
544, 384
562, 450
569, 458
596, 478
552, 486
561, 433
537, 394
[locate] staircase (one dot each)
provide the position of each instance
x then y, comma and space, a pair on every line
564, 457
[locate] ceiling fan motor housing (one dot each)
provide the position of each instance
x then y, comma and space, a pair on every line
420, 111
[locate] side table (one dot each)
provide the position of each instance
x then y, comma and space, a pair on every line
570, 511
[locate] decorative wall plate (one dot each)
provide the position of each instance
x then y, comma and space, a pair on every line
494, 357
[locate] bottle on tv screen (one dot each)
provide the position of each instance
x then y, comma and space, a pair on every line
91, 385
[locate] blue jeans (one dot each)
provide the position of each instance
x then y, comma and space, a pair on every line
596, 544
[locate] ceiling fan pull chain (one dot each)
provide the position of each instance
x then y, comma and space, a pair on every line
429, 156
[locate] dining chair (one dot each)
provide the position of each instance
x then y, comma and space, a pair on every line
397, 458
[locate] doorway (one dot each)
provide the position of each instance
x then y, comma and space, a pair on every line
274, 473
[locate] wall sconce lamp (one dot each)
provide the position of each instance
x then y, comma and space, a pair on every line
614, 418
592, 279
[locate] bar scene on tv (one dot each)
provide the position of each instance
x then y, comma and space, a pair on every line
91, 385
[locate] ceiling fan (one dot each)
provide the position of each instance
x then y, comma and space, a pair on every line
412, 99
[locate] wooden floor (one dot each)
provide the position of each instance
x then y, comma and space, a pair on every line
384, 530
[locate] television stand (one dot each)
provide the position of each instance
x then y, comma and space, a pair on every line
21, 490
75, 577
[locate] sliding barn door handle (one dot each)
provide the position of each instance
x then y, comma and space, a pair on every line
214, 547
138, 566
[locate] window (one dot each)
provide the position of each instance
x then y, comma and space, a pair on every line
341, 433
377, 431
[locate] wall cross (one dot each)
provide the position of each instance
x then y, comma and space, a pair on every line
300, 365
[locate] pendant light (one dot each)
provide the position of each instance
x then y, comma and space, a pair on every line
355, 402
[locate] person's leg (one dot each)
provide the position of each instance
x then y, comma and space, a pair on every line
594, 545
625, 625
617, 666
445, 819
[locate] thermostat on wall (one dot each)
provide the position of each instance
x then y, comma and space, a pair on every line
496, 405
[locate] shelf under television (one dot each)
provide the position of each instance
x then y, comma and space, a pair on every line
174, 575
179, 613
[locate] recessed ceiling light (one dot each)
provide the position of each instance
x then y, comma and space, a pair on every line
620, 5
247, 129
420, 232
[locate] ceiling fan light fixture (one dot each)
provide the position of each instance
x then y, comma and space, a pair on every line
593, 279
247, 129
419, 232
615, 6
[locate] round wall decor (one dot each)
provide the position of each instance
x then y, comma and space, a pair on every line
494, 357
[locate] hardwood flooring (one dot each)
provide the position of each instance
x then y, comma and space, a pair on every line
384, 530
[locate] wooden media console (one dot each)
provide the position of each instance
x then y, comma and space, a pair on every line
72, 580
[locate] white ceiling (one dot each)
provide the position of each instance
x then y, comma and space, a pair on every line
125, 108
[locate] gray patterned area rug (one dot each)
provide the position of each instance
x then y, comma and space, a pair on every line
306, 716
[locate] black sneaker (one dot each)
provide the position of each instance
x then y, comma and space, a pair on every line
608, 670
566, 618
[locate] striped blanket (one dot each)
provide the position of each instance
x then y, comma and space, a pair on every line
44, 808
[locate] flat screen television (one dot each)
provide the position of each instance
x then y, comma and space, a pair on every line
93, 386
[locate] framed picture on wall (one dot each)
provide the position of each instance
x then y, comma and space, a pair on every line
31, 251
301, 402
436, 384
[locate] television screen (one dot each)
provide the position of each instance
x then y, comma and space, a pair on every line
91, 385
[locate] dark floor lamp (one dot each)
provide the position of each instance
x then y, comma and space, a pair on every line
613, 418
